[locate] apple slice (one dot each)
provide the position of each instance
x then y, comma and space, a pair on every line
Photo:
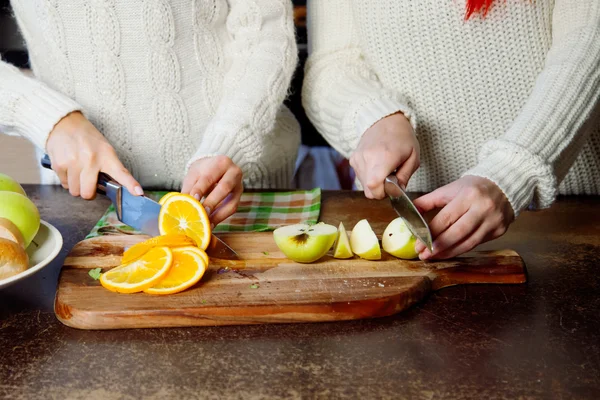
305, 243
398, 240
364, 242
9, 231
342, 248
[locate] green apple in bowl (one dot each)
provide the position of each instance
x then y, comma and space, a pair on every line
8, 184
21, 211
305, 243
398, 240
364, 242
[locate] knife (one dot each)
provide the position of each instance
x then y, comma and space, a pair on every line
141, 212
406, 209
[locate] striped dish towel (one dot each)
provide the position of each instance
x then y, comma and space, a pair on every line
261, 211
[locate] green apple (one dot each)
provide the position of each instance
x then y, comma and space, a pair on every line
22, 212
364, 242
8, 184
398, 240
305, 243
342, 248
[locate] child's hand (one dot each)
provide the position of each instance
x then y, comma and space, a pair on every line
389, 145
219, 181
78, 152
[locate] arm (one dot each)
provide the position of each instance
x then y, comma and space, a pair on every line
533, 156
52, 121
342, 95
28, 107
263, 59
525, 165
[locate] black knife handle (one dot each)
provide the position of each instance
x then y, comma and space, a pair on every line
103, 179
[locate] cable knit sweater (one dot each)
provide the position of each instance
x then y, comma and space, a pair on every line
513, 97
167, 82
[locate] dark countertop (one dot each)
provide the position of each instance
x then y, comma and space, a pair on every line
539, 340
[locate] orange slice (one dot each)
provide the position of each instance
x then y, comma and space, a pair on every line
187, 269
139, 249
181, 213
165, 197
204, 257
141, 274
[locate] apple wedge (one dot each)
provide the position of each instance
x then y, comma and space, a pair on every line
342, 248
364, 242
305, 243
398, 241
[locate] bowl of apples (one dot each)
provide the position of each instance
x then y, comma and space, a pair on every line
27, 243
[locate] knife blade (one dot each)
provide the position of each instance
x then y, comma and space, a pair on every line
141, 212
406, 209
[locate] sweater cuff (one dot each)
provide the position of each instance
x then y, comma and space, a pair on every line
38, 112
524, 177
220, 142
377, 109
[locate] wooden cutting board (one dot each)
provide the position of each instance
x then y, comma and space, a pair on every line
264, 287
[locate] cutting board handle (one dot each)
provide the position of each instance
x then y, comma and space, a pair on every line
504, 266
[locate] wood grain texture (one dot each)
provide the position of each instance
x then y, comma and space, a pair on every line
265, 287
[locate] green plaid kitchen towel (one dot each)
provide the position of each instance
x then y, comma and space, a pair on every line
260, 211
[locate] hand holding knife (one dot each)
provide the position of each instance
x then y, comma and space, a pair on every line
141, 212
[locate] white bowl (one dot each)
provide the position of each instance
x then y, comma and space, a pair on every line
43, 249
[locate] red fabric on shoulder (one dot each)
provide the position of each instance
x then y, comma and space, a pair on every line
475, 6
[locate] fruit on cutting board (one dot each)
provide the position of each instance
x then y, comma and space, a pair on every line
188, 267
9, 231
170, 240
364, 242
140, 274
183, 214
398, 240
8, 184
342, 248
21, 211
305, 243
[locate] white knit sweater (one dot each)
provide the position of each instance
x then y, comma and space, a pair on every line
513, 97
167, 82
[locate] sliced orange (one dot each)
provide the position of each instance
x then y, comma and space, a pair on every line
187, 269
165, 197
140, 274
183, 214
139, 249
204, 256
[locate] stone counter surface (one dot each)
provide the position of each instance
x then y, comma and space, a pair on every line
540, 340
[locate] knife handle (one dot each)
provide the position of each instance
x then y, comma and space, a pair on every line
104, 180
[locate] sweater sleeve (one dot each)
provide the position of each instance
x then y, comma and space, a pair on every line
342, 94
529, 160
28, 107
263, 58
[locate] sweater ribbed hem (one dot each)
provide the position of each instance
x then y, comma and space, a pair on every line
215, 144
37, 113
524, 177
377, 109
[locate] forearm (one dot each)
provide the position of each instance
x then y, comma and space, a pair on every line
264, 55
342, 95
530, 159
28, 107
